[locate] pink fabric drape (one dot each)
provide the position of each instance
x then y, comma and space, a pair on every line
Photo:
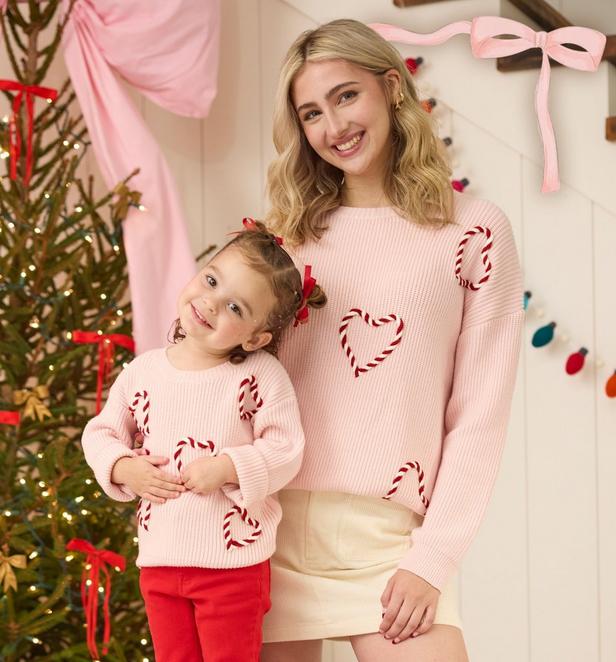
169, 52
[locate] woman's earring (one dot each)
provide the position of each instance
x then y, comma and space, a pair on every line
398, 103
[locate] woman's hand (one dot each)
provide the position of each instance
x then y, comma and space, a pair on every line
409, 605
142, 475
208, 474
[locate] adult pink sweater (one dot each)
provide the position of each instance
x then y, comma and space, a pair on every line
248, 411
405, 377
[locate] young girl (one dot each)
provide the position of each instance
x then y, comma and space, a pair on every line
220, 410
405, 380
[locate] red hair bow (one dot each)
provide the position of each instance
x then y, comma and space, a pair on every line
301, 316
251, 225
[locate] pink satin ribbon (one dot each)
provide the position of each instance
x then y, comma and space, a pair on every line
484, 32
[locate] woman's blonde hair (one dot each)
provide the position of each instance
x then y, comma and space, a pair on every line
303, 188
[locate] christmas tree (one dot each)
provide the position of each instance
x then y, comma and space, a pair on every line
64, 332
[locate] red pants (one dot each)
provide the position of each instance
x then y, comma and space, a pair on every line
206, 615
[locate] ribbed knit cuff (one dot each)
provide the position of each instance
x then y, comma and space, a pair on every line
429, 564
251, 472
104, 466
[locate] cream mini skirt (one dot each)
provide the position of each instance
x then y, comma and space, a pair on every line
334, 555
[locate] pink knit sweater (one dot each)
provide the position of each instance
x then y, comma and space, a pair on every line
248, 411
405, 378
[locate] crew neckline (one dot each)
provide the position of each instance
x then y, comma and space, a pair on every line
204, 374
366, 212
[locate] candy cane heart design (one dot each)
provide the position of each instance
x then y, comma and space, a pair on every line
226, 528
249, 385
373, 363
485, 258
189, 441
400, 475
140, 411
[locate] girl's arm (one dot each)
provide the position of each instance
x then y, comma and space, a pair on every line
108, 437
272, 460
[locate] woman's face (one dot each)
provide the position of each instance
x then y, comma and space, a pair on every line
345, 114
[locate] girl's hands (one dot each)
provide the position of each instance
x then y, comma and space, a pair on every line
409, 605
208, 474
142, 475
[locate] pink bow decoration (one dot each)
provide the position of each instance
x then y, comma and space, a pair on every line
484, 32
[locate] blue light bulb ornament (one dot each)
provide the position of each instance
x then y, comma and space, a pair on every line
527, 297
544, 335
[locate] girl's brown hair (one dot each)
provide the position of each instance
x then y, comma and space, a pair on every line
263, 253
303, 188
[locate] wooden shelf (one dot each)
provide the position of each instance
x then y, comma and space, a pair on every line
610, 128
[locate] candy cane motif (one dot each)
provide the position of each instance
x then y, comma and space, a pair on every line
189, 441
487, 265
400, 475
226, 528
143, 518
356, 312
245, 413
141, 396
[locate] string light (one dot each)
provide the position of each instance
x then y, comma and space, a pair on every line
33, 555
69, 558
7, 513
42, 484
22, 481
65, 143
103, 296
78, 499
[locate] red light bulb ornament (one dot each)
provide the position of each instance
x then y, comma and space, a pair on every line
413, 63
576, 361
610, 386
460, 184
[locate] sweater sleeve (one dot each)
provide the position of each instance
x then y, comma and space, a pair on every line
109, 436
477, 411
274, 457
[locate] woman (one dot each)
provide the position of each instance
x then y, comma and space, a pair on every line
404, 379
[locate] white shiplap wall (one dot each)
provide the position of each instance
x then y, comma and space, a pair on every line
538, 584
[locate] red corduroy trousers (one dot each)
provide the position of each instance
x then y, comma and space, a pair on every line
204, 614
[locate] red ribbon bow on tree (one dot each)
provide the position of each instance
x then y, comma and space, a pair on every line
96, 560
29, 91
9, 417
301, 316
106, 345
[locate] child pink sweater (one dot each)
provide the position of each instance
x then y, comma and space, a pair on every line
247, 411
405, 378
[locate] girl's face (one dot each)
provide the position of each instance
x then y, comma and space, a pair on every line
225, 305
345, 114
